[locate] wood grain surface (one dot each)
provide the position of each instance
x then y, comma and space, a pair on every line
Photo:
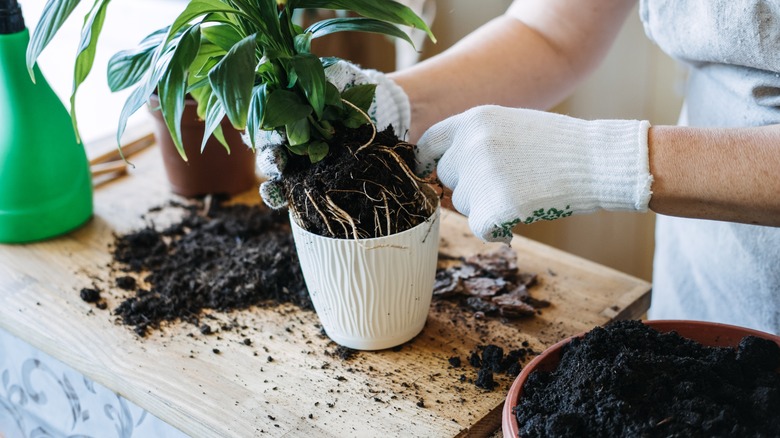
287, 382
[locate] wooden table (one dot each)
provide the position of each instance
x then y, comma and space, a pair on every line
287, 382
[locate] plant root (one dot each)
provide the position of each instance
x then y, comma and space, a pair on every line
314, 204
344, 215
368, 188
370, 122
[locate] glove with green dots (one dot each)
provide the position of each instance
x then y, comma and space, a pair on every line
510, 166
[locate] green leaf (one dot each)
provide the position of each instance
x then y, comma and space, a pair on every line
128, 67
283, 107
301, 149
385, 10
223, 35
317, 151
288, 31
353, 119
303, 43
292, 73
323, 127
233, 78
141, 93
208, 56
215, 113
135, 101
199, 8
254, 118
360, 95
332, 96
90, 31
263, 18
208, 65
311, 77
172, 86
55, 13
267, 74
327, 61
220, 136
219, 17
298, 132
202, 96
355, 24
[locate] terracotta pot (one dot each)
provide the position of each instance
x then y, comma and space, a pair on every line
371, 294
706, 333
211, 172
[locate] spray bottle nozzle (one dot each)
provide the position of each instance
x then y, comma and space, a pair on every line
11, 20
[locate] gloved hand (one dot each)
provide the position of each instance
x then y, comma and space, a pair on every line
508, 166
390, 107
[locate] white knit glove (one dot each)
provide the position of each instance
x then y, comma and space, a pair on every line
510, 166
390, 107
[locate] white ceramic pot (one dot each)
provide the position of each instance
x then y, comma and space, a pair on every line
371, 294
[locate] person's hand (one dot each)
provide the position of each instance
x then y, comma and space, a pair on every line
390, 107
510, 166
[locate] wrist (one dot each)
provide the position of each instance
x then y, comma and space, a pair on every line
621, 177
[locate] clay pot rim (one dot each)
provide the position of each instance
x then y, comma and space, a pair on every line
509, 422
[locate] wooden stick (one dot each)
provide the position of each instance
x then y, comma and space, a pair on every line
129, 149
118, 166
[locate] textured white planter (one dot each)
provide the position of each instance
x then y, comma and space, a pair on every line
371, 294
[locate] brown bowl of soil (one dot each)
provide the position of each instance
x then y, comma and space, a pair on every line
651, 378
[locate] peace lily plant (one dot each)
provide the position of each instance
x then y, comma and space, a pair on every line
365, 226
243, 59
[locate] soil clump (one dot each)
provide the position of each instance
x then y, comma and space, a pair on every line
627, 379
358, 190
218, 256
490, 359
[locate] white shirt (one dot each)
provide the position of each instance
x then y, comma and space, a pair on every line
709, 270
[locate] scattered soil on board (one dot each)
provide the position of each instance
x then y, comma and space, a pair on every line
368, 192
627, 379
222, 257
490, 359
218, 256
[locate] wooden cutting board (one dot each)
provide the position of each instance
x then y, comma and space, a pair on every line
288, 381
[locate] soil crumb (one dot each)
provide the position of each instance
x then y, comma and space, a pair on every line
627, 379
226, 258
492, 360
89, 295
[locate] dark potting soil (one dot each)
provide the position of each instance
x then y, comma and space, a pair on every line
226, 258
223, 257
629, 380
369, 191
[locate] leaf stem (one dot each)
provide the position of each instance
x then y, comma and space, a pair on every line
323, 127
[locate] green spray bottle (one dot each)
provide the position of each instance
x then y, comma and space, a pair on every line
45, 183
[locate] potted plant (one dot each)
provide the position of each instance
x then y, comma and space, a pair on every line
366, 227
203, 167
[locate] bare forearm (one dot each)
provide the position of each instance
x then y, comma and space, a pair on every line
726, 174
531, 57
467, 75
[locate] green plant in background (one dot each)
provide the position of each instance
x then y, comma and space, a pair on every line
246, 60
